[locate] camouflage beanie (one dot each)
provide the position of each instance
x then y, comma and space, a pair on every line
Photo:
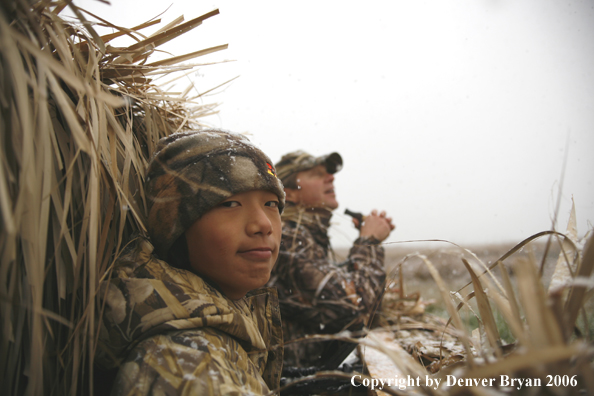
191, 172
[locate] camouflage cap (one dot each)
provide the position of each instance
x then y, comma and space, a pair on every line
298, 161
191, 172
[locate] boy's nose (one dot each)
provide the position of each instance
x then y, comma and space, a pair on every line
329, 177
258, 223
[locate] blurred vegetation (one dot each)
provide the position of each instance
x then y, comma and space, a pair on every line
79, 118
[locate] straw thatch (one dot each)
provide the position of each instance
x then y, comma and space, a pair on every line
78, 120
549, 343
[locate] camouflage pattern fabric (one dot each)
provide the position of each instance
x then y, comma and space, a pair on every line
171, 333
318, 295
297, 161
191, 172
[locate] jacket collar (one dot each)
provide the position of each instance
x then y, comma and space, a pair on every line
145, 296
304, 215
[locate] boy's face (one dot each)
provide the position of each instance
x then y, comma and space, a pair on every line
236, 243
316, 189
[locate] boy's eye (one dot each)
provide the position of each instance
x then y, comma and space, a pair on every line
230, 204
272, 204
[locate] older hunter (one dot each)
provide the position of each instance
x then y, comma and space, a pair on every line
318, 295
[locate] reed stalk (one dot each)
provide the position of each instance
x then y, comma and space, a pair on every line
79, 118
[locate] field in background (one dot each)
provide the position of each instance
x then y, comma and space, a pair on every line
447, 260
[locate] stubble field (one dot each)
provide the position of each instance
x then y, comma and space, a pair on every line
447, 259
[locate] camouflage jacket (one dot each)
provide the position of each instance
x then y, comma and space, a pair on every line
171, 333
318, 295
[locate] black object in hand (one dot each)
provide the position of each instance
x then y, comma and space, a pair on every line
355, 215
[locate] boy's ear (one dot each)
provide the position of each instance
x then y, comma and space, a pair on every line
292, 195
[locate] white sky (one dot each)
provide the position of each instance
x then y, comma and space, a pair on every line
452, 115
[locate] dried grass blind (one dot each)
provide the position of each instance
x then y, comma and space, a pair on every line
78, 121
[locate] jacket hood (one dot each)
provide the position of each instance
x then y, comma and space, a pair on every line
145, 296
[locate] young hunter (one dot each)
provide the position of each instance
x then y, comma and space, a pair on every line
318, 295
183, 318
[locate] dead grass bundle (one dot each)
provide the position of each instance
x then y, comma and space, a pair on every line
78, 120
551, 351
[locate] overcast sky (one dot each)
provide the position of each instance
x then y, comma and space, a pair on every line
452, 115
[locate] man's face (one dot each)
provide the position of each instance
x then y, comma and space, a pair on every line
315, 189
236, 243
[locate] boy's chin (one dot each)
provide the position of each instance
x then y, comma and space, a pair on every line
257, 281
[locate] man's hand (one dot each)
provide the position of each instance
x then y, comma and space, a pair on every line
377, 226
